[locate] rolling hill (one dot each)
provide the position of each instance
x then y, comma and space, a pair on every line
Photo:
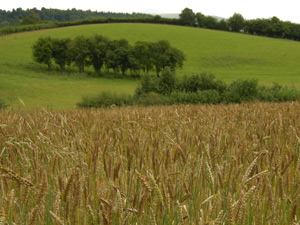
229, 56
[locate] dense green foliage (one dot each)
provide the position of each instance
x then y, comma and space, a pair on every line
32, 18
99, 51
24, 28
187, 17
42, 51
236, 22
272, 27
106, 99
98, 47
60, 51
29, 16
196, 89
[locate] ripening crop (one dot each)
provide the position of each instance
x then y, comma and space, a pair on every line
224, 164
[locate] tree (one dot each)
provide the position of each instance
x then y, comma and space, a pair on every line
236, 22
157, 18
199, 19
124, 53
134, 65
111, 59
60, 51
176, 58
277, 27
32, 18
167, 81
78, 52
142, 54
98, 46
187, 17
159, 55
254, 26
222, 25
210, 22
42, 51
163, 55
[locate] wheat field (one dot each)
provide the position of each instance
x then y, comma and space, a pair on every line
225, 164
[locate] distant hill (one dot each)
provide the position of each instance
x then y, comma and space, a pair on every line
176, 16
170, 15
14, 17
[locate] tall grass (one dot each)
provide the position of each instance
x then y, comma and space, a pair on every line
233, 164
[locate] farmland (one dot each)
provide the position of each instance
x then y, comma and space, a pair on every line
227, 55
233, 164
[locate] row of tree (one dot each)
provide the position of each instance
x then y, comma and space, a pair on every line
272, 27
17, 16
99, 51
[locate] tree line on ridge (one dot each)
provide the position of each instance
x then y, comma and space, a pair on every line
21, 16
271, 27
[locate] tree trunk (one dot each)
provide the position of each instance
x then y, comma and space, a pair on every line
62, 67
49, 66
81, 69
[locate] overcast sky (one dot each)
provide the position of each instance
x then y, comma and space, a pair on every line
284, 9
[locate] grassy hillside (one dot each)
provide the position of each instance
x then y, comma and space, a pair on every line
229, 56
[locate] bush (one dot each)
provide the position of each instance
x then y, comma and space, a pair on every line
152, 98
147, 84
209, 97
106, 99
241, 91
202, 82
167, 81
277, 93
199, 97
163, 91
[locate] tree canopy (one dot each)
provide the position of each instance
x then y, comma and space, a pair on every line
17, 16
42, 51
236, 22
187, 17
32, 18
99, 51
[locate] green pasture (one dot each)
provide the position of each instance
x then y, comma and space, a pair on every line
227, 55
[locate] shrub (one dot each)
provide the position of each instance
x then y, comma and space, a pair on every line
241, 91
147, 84
167, 81
152, 98
201, 82
199, 97
277, 93
180, 97
163, 91
106, 99
209, 97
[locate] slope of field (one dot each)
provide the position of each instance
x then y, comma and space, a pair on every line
227, 55
234, 164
